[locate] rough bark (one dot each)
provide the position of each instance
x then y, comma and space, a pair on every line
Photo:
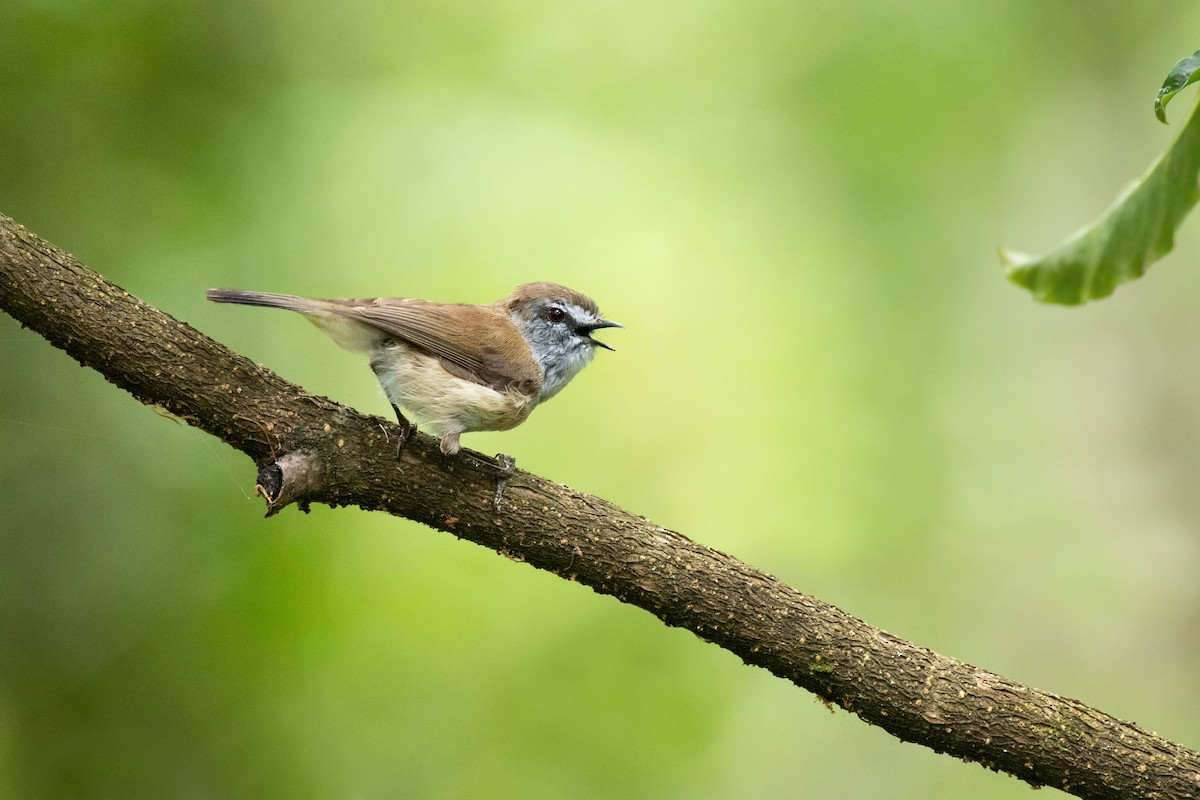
311, 450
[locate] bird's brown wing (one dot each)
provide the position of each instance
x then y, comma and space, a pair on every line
478, 343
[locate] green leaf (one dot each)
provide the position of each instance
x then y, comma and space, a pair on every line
1185, 71
1136, 230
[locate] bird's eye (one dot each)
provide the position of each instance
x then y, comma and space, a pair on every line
555, 314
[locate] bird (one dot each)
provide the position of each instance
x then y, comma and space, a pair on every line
459, 367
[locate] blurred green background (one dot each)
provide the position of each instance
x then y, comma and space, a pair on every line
794, 209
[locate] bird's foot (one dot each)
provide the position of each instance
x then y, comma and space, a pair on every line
503, 464
407, 429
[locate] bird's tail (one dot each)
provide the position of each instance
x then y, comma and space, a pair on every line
263, 299
330, 316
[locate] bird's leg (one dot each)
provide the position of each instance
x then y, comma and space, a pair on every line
503, 464
407, 429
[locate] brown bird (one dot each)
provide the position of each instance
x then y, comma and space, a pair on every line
459, 367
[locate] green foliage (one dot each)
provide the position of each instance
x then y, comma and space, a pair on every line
1139, 227
1185, 72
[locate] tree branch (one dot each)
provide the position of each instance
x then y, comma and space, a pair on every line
312, 450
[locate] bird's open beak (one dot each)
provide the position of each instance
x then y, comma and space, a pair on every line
588, 328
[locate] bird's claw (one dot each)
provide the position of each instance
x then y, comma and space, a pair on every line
407, 429
507, 465
504, 465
